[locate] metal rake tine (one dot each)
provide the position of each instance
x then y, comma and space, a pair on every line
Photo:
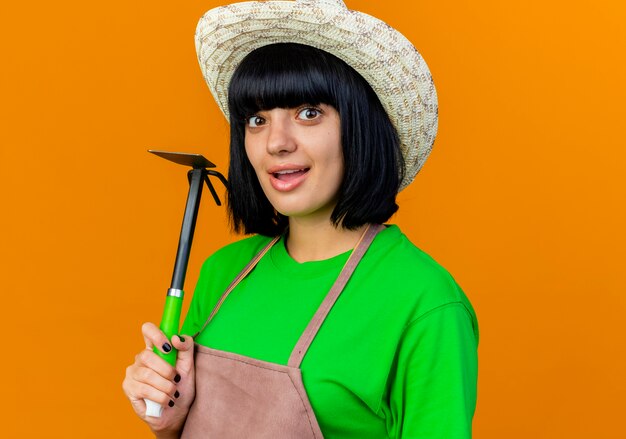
212, 189
218, 175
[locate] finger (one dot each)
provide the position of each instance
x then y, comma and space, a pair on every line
153, 336
149, 359
184, 364
151, 378
183, 343
139, 380
144, 391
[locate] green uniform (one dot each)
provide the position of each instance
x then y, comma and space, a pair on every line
396, 356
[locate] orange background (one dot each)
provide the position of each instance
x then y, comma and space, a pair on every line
522, 200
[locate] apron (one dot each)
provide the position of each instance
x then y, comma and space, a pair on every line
239, 397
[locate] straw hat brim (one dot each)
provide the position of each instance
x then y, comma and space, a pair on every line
383, 56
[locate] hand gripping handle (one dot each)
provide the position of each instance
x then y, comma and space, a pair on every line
170, 326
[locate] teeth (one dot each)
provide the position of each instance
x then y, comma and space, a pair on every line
289, 171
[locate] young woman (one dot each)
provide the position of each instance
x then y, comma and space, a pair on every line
324, 323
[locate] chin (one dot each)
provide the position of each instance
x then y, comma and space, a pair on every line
304, 210
293, 211
301, 205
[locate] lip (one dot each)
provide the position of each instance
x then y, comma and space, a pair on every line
286, 186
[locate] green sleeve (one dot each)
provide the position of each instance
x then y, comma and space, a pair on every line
212, 281
217, 272
197, 309
433, 392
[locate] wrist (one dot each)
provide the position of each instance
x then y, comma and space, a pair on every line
167, 434
171, 432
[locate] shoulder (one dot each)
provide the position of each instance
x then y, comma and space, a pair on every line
235, 256
394, 253
217, 272
411, 276
245, 248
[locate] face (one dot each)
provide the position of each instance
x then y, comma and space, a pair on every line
296, 154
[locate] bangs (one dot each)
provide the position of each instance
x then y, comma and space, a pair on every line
284, 75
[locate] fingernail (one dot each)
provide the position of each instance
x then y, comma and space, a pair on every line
171, 403
177, 378
182, 340
176, 395
167, 347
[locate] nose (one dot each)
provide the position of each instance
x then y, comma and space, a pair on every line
280, 139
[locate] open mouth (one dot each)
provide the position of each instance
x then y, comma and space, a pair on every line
290, 174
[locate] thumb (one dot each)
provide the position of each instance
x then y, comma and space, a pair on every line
185, 345
183, 342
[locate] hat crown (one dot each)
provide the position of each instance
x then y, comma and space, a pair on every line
335, 3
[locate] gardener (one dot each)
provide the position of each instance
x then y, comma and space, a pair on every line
324, 323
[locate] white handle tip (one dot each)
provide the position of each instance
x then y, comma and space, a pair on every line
153, 409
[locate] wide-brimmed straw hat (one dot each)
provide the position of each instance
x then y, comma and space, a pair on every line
381, 54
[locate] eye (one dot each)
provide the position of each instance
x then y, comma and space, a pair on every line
309, 113
255, 121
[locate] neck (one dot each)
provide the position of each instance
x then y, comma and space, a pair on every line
311, 240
